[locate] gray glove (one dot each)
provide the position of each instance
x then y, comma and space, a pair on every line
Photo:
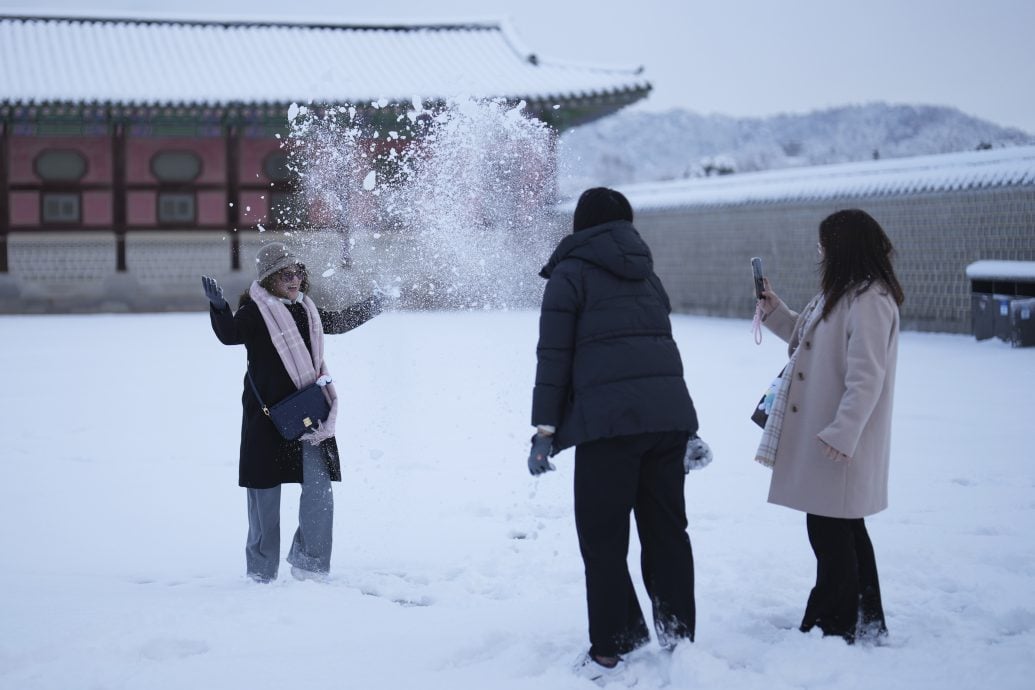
539, 458
213, 292
698, 454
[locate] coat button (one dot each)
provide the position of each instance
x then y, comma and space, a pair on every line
794, 408
801, 376
808, 344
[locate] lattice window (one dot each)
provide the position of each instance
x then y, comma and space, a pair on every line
61, 208
277, 167
177, 207
286, 209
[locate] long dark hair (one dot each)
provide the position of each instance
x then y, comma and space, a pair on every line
856, 254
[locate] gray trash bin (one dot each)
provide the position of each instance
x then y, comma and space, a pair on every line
1001, 298
1001, 311
982, 315
1022, 322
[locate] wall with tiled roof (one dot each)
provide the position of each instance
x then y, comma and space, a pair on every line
1005, 167
943, 214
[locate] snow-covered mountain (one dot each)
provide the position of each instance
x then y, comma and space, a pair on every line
633, 146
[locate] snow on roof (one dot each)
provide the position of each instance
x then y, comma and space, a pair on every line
937, 173
1002, 270
143, 61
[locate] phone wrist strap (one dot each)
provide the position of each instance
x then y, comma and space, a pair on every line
756, 323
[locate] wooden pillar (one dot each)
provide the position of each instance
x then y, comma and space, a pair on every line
5, 216
233, 195
118, 196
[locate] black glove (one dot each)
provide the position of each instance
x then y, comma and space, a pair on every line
385, 298
698, 454
378, 300
539, 458
213, 292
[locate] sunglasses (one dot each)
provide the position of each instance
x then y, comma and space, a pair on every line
288, 275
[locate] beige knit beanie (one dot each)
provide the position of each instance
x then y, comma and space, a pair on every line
271, 258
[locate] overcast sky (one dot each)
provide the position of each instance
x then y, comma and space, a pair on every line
736, 57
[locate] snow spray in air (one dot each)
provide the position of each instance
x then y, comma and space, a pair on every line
444, 208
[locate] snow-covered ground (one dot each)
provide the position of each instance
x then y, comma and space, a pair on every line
122, 527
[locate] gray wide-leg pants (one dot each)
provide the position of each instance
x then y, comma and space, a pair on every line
311, 546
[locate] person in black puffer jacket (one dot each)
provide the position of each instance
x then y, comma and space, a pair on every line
609, 381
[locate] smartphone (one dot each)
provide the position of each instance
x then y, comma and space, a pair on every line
756, 271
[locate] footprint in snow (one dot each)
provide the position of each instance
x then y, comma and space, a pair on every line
401, 600
397, 588
168, 648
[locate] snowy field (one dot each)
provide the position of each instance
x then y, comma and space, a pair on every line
122, 527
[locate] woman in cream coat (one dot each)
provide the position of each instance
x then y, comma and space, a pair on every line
829, 433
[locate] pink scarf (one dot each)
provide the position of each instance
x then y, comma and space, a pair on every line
303, 369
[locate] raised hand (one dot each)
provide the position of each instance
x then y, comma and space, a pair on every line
213, 292
770, 300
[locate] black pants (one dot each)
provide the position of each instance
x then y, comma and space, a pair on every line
847, 591
642, 474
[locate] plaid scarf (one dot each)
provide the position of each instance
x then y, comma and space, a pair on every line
301, 367
766, 453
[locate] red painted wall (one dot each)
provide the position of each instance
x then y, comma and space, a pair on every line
23, 152
140, 151
141, 203
212, 208
141, 208
253, 207
96, 208
25, 209
251, 156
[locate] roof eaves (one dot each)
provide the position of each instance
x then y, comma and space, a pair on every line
637, 90
510, 37
506, 27
628, 93
228, 21
813, 183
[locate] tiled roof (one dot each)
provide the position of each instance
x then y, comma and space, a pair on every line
937, 173
205, 62
1002, 270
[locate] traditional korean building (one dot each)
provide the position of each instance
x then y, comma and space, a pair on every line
137, 152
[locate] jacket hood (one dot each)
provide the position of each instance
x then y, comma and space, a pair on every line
615, 246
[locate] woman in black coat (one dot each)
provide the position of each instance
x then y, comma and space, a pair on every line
610, 382
267, 460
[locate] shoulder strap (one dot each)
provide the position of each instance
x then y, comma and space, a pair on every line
255, 390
